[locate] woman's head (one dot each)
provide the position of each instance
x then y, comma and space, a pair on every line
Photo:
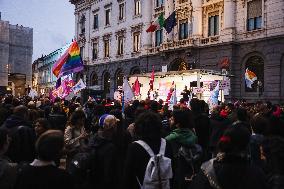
259, 124
148, 126
77, 118
41, 125
183, 118
49, 145
234, 140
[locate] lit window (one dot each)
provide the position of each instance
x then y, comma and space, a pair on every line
183, 30
137, 7
107, 17
213, 25
254, 15
121, 11
95, 51
120, 46
106, 44
136, 42
158, 37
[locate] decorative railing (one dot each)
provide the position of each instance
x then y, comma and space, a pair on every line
209, 40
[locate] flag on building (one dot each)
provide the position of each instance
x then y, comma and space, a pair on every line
127, 91
158, 24
79, 86
250, 78
170, 22
69, 62
152, 79
136, 87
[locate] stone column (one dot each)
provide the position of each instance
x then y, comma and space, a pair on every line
147, 11
197, 18
229, 20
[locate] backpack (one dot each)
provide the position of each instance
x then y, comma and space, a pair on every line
159, 168
188, 161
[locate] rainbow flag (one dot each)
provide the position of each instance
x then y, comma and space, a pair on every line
69, 62
250, 77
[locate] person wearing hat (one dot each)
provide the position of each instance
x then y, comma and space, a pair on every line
103, 154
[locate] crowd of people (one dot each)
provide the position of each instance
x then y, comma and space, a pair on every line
102, 145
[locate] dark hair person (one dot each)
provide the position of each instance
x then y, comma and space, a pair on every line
231, 169
42, 172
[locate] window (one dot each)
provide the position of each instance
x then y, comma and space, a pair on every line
255, 64
136, 42
82, 24
158, 37
120, 46
213, 25
254, 15
82, 52
121, 11
183, 30
159, 3
96, 21
107, 17
106, 45
137, 7
95, 51
95, 79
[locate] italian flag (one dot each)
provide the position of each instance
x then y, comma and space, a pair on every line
158, 24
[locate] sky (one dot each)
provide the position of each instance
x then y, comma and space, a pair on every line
53, 22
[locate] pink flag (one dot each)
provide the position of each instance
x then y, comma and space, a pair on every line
152, 79
136, 87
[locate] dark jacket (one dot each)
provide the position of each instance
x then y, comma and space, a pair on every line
136, 162
43, 178
232, 173
103, 163
57, 121
21, 148
8, 172
202, 129
255, 146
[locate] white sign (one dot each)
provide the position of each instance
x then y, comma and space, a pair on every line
165, 68
223, 84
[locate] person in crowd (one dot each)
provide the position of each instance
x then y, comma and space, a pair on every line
8, 170
202, 125
231, 168
218, 124
75, 136
104, 156
21, 148
42, 172
33, 113
181, 136
259, 125
148, 129
57, 118
41, 125
242, 118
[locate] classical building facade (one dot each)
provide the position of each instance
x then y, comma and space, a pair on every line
44, 80
16, 49
247, 33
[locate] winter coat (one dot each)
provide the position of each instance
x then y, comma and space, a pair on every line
57, 121
202, 129
21, 148
8, 172
231, 173
256, 147
103, 163
136, 162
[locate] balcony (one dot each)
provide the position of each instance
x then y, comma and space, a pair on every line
172, 45
209, 40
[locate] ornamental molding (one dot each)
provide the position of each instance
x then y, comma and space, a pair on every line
108, 5
136, 28
95, 39
184, 11
107, 36
96, 10
82, 40
120, 33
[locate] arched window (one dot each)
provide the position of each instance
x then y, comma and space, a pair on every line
178, 65
135, 70
94, 79
255, 64
118, 78
106, 79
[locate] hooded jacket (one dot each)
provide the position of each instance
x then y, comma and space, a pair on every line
182, 136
